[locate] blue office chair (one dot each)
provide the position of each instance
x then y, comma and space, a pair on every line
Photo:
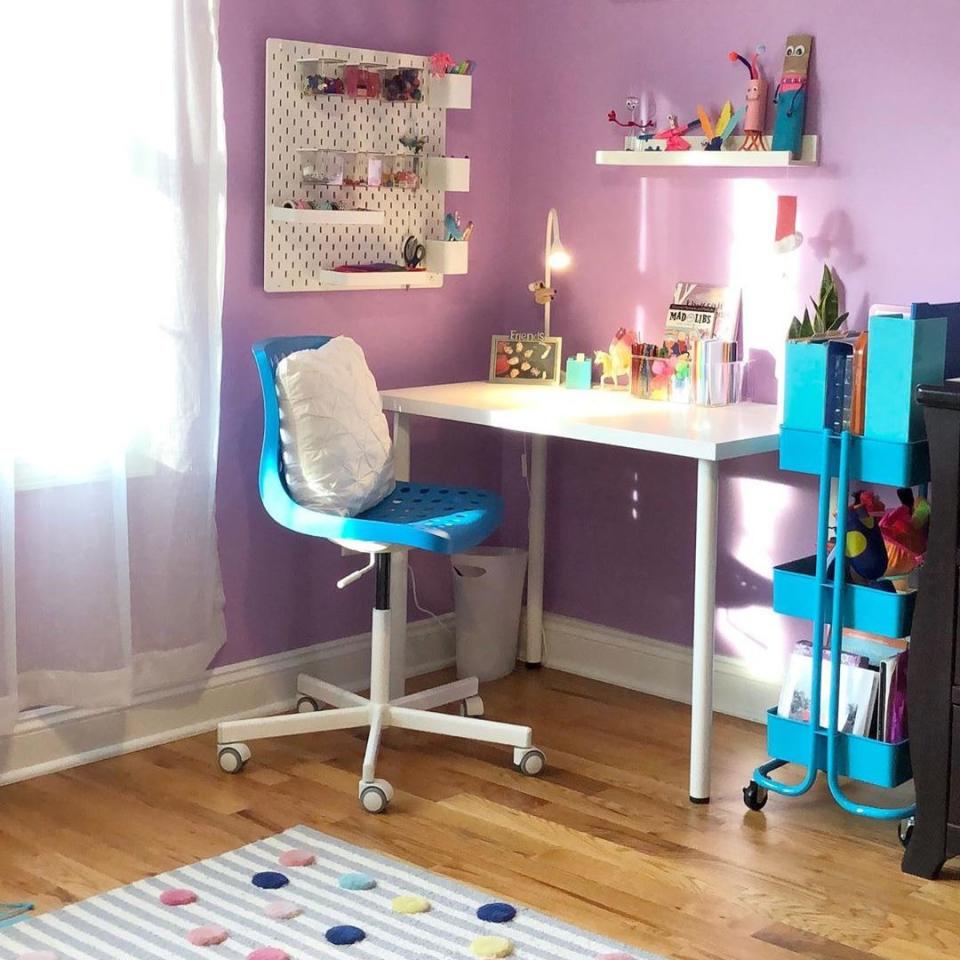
415, 515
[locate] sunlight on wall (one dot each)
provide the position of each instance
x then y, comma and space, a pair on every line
753, 630
643, 217
768, 281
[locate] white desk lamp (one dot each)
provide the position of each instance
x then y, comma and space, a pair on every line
555, 257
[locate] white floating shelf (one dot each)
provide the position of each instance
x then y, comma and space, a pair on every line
696, 156
372, 218
387, 280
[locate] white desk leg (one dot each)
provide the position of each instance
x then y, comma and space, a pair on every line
533, 653
704, 596
398, 569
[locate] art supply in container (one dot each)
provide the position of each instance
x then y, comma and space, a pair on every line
717, 373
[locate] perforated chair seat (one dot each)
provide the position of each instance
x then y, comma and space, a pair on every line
439, 519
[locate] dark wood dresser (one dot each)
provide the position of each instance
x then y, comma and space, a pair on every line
933, 683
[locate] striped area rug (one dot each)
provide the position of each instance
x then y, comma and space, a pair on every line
131, 922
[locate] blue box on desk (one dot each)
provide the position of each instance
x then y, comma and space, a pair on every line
902, 352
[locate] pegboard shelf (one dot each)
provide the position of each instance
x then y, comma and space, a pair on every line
388, 280
696, 156
303, 248
373, 218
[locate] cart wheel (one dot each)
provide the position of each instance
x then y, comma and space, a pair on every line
755, 796
905, 829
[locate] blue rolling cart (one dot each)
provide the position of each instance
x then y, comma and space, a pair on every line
802, 589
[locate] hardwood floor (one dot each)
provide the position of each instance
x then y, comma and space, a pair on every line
605, 838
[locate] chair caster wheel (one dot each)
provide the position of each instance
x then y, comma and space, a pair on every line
375, 795
530, 761
905, 830
755, 796
233, 757
471, 707
308, 704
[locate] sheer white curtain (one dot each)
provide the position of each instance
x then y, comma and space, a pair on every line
110, 377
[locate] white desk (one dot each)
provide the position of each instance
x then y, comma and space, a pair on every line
704, 434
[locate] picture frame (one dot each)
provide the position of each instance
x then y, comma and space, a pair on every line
525, 358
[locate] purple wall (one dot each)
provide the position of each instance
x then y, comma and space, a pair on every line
280, 587
883, 215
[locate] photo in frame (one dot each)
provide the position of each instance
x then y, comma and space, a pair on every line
529, 358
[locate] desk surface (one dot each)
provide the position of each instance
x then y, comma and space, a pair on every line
611, 417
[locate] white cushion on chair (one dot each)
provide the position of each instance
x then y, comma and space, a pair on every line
337, 455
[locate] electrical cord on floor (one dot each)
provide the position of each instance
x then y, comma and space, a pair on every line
12, 912
416, 601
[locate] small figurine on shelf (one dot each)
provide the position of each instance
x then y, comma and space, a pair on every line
440, 63
716, 135
615, 362
756, 103
674, 131
791, 94
639, 130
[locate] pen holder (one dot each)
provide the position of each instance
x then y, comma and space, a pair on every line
725, 383
660, 378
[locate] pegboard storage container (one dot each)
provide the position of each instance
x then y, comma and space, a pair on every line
452, 91
303, 134
322, 78
451, 174
447, 256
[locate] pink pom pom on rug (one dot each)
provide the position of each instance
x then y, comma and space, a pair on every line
207, 936
297, 858
177, 897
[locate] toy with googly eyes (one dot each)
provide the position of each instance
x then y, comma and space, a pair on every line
791, 94
756, 109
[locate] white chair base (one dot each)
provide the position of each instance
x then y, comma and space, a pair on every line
412, 712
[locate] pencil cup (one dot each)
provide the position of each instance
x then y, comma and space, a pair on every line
650, 378
725, 382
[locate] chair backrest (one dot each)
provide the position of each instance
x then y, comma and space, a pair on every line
267, 354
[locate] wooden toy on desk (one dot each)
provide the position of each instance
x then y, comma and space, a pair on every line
756, 109
674, 131
726, 123
791, 94
615, 363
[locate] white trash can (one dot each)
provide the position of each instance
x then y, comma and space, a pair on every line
488, 594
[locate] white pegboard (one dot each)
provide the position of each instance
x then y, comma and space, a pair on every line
295, 255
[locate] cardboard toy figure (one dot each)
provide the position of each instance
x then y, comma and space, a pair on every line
756, 108
791, 94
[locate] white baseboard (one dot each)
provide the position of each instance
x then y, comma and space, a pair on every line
56, 739
652, 666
